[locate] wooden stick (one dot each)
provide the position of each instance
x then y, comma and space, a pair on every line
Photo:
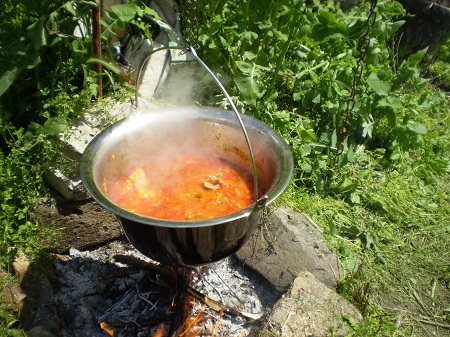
97, 43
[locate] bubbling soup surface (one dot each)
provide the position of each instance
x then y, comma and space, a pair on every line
188, 187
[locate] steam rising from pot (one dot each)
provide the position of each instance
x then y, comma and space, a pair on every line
175, 132
164, 132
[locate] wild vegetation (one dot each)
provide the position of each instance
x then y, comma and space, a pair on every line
383, 201
375, 179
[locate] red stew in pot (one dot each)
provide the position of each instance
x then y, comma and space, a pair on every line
190, 187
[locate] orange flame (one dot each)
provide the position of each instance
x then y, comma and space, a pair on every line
107, 328
190, 324
160, 331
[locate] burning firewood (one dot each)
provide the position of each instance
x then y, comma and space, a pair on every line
107, 328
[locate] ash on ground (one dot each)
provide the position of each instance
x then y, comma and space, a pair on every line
95, 295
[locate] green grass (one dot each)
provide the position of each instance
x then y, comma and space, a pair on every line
395, 253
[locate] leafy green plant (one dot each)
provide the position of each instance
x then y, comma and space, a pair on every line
34, 61
295, 71
22, 186
9, 323
136, 14
50, 63
291, 64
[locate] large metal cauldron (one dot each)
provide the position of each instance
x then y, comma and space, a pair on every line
214, 132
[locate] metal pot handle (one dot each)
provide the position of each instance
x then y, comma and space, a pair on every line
260, 202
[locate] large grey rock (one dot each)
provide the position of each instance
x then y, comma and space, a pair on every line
309, 309
291, 243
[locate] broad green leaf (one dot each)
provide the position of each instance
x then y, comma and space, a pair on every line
248, 88
271, 96
321, 33
367, 127
81, 8
416, 58
245, 67
54, 125
378, 201
69, 7
438, 164
31, 60
393, 27
389, 101
334, 138
125, 12
416, 127
351, 156
352, 229
391, 117
309, 136
328, 27
282, 118
111, 15
111, 66
369, 241
305, 29
150, 12
307, 168
351, 265
280, 36
214, 27
329, 19
380, 87
316, 97
265, 25
8, 78
395, 155
248, 36
223, 42
332, 228
248, 55
347, 185
298, 96
306, 150
354, 198
38, 33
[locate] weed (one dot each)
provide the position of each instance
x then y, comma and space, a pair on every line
9, 324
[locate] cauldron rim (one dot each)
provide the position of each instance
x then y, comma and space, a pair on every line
100, 197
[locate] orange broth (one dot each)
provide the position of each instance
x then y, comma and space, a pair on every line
192, 187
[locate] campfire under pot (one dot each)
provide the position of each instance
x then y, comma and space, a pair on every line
115, 290
213, 132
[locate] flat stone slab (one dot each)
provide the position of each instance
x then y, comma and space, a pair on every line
290, 244
79, 224
309, 309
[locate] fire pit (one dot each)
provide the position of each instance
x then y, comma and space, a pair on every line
113, 290
164, 133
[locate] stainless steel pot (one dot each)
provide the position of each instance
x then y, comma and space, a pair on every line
152, 135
